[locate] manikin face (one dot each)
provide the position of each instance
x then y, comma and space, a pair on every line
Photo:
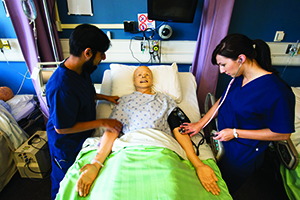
228, 66
143, 78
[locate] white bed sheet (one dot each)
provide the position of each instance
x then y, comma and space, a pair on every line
21, 106
189, 105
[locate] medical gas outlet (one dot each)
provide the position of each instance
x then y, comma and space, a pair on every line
4, 44
293, 49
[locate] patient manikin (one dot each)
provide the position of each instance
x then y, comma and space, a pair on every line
164, 105
6, 93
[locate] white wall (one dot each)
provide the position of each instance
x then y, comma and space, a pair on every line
171, 51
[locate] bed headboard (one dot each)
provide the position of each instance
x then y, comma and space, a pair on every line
44, 72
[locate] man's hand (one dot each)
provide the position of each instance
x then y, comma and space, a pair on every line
86, 179
112, 99
208, 179
112, 125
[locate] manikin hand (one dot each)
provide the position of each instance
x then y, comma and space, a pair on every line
89, 173
208, 179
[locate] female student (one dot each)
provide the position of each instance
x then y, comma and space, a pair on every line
258, 108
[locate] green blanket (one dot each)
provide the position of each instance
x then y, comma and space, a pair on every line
291, 181
142, 173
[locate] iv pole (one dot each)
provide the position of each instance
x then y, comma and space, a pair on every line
30, 12
54, 47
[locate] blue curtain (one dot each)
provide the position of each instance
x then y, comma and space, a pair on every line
24, 33
214, 25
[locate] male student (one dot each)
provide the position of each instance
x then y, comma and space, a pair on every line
71, 99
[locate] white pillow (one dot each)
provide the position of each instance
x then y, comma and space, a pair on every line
165, 80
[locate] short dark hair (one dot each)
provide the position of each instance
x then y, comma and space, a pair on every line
235, 44
88, 36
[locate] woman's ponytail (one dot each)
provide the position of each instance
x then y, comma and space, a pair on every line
263, 56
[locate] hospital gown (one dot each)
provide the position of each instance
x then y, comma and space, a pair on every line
138, 111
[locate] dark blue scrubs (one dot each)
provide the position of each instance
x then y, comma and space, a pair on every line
266, 102
70, 98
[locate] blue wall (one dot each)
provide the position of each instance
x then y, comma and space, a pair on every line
255, 18
260, 20
10, 72
117, 11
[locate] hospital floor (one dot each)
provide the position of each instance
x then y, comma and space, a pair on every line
265, 184
28, 189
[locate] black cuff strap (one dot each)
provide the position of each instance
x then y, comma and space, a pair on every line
177, 118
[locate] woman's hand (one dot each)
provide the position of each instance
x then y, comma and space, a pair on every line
208, 179
86, 179
224, 135
191, 128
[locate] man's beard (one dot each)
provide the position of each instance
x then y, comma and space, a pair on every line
88, 66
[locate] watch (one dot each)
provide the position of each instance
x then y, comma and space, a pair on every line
235, 134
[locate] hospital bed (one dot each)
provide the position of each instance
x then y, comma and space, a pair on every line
291, 177
143, 164
22, 113
25, 109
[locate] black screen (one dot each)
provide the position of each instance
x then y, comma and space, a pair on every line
172, 10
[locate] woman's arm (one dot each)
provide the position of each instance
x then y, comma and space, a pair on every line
89, 172
262, 134
194, 128
206, 174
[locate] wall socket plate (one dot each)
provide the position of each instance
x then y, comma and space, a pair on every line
279, 36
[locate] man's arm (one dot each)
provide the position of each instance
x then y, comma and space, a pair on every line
206, 174
112, 99
111, 124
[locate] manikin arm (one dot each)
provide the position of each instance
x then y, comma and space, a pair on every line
89, 172
206, 174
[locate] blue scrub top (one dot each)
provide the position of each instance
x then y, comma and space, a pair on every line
70, 98
266, 102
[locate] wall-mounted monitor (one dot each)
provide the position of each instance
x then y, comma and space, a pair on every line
172, 10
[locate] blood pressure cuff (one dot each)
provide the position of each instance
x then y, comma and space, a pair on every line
176, 118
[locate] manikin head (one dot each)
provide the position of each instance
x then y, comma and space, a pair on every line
143, 79
6, 93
